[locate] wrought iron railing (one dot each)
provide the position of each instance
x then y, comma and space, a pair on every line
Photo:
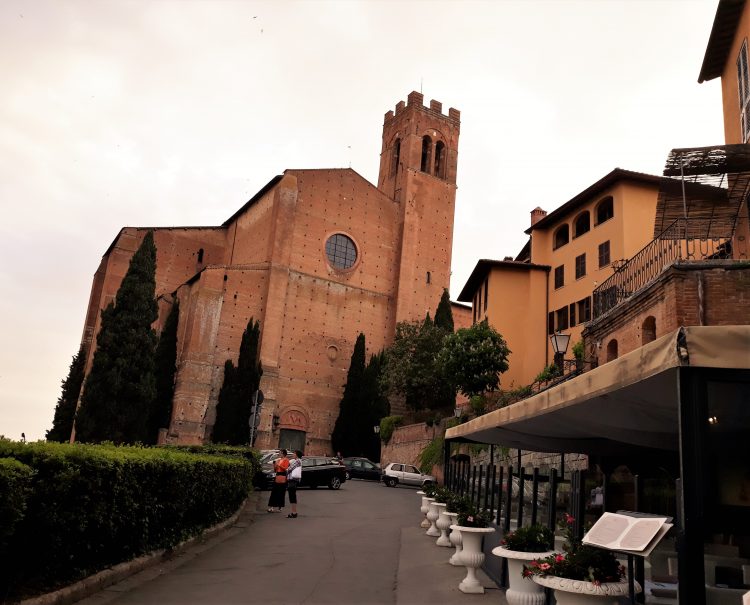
684, 239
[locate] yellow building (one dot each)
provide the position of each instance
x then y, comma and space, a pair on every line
549, 286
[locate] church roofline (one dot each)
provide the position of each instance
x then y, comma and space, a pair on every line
268, 186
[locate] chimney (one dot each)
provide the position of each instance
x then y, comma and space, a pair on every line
537, 214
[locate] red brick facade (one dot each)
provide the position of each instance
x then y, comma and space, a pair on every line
269, 262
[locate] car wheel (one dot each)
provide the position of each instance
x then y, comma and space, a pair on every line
391, 482
348, 476
334, 483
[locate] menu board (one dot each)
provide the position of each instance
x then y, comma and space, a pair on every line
636, 535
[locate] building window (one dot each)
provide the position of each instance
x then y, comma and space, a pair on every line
486, 293
396, 156
426, 149
572, 314
440, 160
605, 210
584, 309
559, 276
743, 87
429, 277
580, 266
582, 224
562, 237
341, 251
612, 350
551, 322
562, 319
604, 254
648, 330
200, 255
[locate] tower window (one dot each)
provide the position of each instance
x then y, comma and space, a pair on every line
440, 160
396, 156
605, 210
612, 350
562, 237
426, 152
200, 255
582, 224
341, 251
648, 330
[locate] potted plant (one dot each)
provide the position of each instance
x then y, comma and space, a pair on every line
473, 524
524, 545
582, 574
454, 506
443, 522
427, 492
578, 354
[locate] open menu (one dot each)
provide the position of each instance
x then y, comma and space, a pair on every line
636, 535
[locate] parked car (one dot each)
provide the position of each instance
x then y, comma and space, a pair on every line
362, 468
407, 474
322, 470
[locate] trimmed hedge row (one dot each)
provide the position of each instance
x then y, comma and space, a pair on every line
15, 482
91, 506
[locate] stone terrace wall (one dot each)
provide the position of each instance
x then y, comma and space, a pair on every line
407, 442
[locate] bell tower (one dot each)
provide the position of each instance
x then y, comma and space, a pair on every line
418, 165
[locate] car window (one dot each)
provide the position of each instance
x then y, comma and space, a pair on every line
306, 462
412, 469
368, 465
357, 463
398, 467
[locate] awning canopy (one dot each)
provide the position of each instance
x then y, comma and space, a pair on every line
631, 402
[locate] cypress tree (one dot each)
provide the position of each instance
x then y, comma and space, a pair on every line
376, 407
444, 314
165, 367
120, 389
235, 397
345, 437
65, 410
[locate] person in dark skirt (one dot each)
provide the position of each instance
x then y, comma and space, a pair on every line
278, 490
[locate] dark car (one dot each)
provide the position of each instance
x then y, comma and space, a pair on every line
361, 468
321, 470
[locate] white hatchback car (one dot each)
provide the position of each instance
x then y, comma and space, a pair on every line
396, 473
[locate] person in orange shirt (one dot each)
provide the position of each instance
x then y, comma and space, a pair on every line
278, 491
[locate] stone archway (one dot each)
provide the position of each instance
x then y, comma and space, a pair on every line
294, 424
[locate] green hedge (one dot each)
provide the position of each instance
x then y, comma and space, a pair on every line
92, 506
15, 482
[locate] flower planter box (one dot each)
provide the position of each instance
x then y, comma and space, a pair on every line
522, 591
472, 556
582, 592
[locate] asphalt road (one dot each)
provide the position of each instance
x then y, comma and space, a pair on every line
346, 546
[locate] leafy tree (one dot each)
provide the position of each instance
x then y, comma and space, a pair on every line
65, 410
412, 369
344, 437
444, 313
166, 367
240, 382
120, 389
474, 357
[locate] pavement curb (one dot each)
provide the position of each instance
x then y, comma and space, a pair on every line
112, 575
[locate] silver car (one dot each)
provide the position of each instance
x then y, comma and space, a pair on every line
408, 474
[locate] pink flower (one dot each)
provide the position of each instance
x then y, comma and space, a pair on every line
526, 572
597, 583
569, 519
470, 519
545, 566
559, 558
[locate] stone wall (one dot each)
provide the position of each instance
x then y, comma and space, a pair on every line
407, 443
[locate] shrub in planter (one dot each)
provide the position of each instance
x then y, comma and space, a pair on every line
442, 494
457, 503
473, 517
533, 538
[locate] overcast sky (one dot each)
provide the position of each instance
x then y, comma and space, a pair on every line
168, 113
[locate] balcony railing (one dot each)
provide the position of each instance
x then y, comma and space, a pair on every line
683, 240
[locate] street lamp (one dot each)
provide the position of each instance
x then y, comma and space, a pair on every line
376, 429
559, 346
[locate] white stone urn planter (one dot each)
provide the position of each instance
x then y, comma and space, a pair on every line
443, 523
471, 556
424, 508
522, 591
455, 538
582, 592
432, 516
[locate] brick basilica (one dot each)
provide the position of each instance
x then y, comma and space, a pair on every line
318, 256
